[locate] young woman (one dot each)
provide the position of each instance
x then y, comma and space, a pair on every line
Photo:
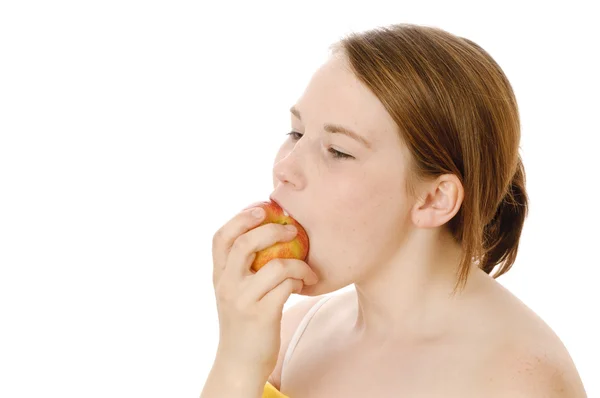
403, 166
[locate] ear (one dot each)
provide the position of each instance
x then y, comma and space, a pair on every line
439, 201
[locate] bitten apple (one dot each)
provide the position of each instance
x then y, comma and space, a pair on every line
295, 248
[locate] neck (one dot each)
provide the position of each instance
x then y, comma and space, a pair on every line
410, 297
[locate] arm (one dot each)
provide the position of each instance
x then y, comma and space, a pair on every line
225, 381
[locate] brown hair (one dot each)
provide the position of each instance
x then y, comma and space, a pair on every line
457, 114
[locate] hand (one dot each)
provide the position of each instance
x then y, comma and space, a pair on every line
250, 304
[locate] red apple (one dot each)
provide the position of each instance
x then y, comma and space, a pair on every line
295, 248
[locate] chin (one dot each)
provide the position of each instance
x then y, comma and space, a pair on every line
318, 265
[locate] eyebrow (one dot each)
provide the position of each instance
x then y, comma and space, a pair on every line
336, 128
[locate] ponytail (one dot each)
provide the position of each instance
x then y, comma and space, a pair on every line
502, 233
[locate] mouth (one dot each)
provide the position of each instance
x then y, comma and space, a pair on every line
285, 212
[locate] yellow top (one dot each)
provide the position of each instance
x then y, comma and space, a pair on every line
271, 392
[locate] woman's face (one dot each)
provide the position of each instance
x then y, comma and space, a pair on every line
354, 209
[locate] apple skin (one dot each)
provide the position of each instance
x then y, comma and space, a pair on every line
295, 248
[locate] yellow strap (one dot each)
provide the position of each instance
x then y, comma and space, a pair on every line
271, 392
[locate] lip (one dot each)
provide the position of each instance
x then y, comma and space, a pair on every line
285, 211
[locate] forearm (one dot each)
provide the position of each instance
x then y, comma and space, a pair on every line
224, 381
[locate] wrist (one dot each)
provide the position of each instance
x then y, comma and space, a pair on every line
230, 379
243, 366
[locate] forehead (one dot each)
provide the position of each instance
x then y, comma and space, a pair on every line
335, 95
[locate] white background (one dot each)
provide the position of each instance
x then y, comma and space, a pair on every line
130, 131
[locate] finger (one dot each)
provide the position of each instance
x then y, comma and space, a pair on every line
276, 298
243, 250
273, 273
223, 239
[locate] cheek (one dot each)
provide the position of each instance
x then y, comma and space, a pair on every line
357, 224
366, 198
367, 213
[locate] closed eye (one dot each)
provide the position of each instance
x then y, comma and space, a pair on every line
295, 136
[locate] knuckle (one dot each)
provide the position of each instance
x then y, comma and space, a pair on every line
278, 267
240, 243
222, 297
225, 292
217, 237
221, 293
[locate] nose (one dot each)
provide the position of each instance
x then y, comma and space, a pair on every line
287, 170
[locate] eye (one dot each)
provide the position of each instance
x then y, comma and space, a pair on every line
339, 155
295, 136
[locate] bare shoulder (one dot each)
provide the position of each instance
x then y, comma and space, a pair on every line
532, 360
289, 323
531, 373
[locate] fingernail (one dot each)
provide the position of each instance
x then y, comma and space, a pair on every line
258, 212
290, 228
